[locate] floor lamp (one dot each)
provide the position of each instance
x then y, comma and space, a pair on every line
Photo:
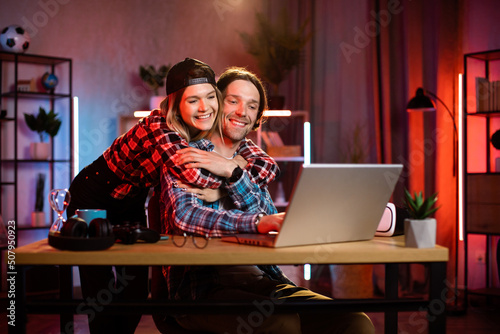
421, 102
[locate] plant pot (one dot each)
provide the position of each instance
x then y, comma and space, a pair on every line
38, 219
40, 151
420, 233
154, 102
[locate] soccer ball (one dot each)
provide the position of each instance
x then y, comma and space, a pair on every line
14, 39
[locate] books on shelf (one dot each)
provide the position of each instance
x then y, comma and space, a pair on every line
272, 138
275, 146
284, 151
487, 95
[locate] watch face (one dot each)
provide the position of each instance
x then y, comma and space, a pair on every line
258, 218
235, 176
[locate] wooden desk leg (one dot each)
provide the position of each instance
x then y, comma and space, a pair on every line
391, 292
436, 311
66, 293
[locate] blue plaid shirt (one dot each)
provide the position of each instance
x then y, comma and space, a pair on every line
184, 212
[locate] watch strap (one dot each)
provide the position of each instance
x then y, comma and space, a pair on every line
236, 175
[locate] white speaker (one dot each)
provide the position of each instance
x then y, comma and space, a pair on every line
392, 222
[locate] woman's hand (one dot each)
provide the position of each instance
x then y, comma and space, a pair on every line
205, 194
211, 161
240, 161
271, 223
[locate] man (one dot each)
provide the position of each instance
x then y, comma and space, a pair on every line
250, 211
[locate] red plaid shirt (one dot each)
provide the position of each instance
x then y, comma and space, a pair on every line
137, 156
262, 168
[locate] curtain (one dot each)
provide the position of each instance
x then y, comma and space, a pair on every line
364, 62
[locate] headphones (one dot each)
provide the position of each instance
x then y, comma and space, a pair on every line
77, 227
76, 235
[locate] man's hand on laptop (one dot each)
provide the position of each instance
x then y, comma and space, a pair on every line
271, 223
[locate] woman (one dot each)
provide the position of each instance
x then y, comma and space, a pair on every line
120, 179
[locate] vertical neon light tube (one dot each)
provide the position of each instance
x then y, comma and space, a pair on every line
307, 143
307, 272
307, 161
460, 159
76, 143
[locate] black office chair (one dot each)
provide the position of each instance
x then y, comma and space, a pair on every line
164, 323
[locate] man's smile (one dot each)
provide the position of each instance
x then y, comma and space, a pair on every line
238, 123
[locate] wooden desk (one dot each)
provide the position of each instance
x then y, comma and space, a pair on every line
388, 251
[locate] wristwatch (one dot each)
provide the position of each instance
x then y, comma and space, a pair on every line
258, 218
236, 175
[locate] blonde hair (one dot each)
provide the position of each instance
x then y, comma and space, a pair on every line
170, 109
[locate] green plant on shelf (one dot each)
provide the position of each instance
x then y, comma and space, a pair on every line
152, 77
45, 123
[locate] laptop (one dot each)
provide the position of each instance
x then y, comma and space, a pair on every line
331, 203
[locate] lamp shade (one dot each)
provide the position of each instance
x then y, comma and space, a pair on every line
420, 102
495, 140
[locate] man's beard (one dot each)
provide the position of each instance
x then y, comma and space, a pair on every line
234, 136
233, 133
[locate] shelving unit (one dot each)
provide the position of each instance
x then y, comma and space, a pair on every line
481, 178
291, 130
15, 164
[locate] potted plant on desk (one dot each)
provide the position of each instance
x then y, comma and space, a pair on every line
44, 124
420, 230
